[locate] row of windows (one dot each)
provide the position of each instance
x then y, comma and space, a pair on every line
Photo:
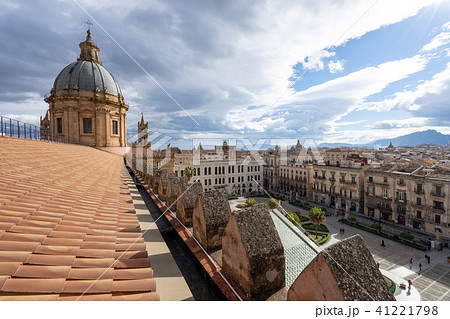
323, 176
284, 170
220, 170
332, 190
419, 187
87, 126
240, 179
437, 217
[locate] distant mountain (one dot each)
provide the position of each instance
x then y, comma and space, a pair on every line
417, 138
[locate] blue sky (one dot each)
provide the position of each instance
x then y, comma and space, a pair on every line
230, 64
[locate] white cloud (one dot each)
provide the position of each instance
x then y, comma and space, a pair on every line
325, 103
405, 123
429, 97
441, 39
315, 62
336, 66
446, 26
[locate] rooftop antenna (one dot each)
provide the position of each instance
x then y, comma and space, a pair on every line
89, 23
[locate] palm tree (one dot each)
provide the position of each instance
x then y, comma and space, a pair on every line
316, 216
189, 172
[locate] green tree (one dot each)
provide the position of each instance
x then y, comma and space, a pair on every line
293, 217
189, 172
272, 203
316, 216
250, 202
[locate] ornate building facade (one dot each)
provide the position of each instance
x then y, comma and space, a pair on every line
86, 105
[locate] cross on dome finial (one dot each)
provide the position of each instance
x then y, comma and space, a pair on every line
89, 23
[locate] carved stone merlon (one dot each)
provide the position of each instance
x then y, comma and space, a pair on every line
187, 195
252, 252
163, 183
156, 175
172, 190
210, 217
345, 271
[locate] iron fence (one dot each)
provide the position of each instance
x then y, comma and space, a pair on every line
15, 128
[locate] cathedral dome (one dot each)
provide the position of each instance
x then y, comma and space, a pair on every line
88, 72
87, 75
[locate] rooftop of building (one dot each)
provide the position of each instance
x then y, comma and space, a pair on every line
68, 226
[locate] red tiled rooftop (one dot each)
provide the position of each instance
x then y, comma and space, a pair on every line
68, 227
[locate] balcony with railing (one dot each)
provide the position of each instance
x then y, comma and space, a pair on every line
438, 209
384, 207
383, 183
418, 191
438, 194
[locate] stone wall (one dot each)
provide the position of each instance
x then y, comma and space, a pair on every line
187, 195
343, 271
252, 252
210, 217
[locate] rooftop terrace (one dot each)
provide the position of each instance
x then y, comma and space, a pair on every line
64, 235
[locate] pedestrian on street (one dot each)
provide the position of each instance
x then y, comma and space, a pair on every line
382, 243
409, 283
410, 263
420, 267
428, 257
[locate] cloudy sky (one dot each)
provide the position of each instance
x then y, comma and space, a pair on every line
337, 71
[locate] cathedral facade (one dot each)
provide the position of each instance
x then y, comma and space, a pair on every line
86, 105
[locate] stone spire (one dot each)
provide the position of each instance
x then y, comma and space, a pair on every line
143, 132
89, 51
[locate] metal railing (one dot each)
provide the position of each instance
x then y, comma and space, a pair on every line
15, 128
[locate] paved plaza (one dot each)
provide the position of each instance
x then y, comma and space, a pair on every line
432, 282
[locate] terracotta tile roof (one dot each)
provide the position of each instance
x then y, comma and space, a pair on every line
66, 220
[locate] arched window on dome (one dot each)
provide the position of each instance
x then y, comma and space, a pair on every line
89, 54
95, 55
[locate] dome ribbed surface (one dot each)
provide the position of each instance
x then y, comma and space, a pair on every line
87, 75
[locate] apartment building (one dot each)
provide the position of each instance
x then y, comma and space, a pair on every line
410, 195
271, 167
338, 187
296, 180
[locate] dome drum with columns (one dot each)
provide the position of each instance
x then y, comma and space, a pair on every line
86, 105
